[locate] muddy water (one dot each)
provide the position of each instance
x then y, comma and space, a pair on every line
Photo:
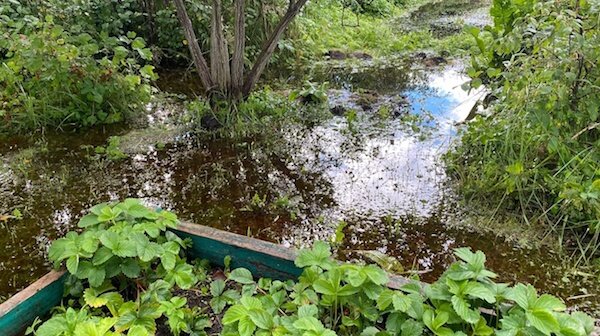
380, 173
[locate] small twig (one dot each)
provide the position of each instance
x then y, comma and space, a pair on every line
582, 296
589, 128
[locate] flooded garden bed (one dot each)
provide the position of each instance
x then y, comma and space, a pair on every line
372, 173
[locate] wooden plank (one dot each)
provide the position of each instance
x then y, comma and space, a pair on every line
18, 312
262, 258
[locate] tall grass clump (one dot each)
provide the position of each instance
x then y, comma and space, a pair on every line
535, 152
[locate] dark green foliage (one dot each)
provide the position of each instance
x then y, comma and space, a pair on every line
536, 151
53, 76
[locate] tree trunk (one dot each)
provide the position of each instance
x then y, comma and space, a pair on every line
195, 51
219, 53
237, 62
270, 45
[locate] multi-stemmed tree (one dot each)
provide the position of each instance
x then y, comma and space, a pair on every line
226, 77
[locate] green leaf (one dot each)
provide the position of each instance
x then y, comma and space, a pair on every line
480, 291
308, 323
73, 264
462, 308
324, 287
101, 256
376, 274
55, 326
251, 302
308, 311
543, 320
131, 268
522, 295
120, 246
234, 314
319, 255
385, 299
549, 302
148, 250
261, 318
476, 259
369, 331
168, 260
96, 276
92, 298
217, 287
401, 302
137, 330
482, 329
88, 220
246, 327
347, 290
241, 275
411, 328
372, 290
356, 276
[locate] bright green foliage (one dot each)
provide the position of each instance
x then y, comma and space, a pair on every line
125, 248
51, 76
349, 299
128, 282
535, 151
111, 151
311, 93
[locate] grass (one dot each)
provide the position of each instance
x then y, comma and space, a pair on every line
321, 29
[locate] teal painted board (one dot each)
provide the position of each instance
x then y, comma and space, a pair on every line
262, 258
17, 313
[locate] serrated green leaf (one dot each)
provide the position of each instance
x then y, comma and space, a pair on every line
542, 320
462, 308
88, 220
245, 326
241, 275
319, 255
131, 268
261, 318
411, 328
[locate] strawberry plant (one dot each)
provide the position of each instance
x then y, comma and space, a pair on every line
126, 269
123, 268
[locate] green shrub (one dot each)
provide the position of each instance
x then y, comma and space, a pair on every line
51, 77
536, 151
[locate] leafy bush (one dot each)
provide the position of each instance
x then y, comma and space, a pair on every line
536, 151
52, 77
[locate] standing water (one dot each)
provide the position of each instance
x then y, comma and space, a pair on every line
375, 167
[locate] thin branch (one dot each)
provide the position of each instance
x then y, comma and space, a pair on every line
195, 51
270, 45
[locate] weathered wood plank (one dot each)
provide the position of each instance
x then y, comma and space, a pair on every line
18, 312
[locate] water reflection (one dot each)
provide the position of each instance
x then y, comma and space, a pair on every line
381, 177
